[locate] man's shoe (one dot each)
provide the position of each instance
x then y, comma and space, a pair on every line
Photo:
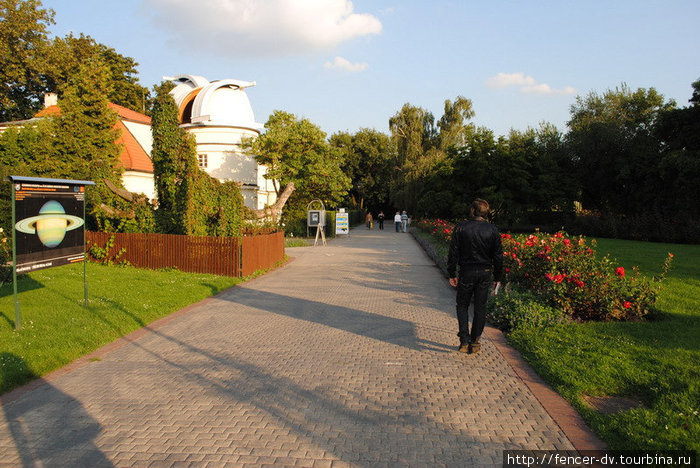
463, 348
474, 348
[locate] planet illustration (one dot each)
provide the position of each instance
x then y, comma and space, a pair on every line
51, 225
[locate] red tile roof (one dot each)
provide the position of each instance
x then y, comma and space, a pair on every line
133, 156
128, 114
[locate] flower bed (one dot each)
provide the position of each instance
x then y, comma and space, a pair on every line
563, 272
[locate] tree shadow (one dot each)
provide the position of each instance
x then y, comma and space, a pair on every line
379, 327
353, 425
50, 428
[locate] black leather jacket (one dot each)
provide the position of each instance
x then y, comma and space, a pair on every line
476, 245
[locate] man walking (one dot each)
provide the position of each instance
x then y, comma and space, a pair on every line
397, 221
476, 248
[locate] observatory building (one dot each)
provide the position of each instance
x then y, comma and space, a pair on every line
219, 115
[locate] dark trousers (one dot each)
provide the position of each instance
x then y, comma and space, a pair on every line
474, 284
381, 224
398, 225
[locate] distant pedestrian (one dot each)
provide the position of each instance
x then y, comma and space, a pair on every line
380, 220
404, 221
397, 221
476, 248
369, 220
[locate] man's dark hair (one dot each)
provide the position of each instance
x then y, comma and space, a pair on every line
480, 207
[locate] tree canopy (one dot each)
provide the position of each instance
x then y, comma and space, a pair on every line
33, 64
295, 150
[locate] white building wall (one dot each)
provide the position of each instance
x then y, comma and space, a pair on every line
140, 182
142, 133
226, 161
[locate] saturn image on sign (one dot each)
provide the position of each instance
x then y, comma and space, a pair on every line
50, 225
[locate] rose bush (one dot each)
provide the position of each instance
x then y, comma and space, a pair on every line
440, 229
564, 272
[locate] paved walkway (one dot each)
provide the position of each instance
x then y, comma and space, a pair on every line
344, 357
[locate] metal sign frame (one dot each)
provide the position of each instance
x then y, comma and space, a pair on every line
66, 189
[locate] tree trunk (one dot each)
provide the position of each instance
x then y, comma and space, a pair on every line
273, 212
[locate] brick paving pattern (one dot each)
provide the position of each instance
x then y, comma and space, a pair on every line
344, 357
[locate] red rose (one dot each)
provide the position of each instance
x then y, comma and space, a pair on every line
627, 304
620, 271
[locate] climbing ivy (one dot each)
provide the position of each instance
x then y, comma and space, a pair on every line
190, 201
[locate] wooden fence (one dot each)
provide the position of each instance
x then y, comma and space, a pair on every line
261, 252
197, 254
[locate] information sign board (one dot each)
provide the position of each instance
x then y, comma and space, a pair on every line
342, 223
49, 226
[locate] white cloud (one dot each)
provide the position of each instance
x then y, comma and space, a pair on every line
340, 63
503, 80
545, 89
527, 84
262, 27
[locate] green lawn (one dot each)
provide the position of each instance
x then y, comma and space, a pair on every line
656, 363
57, 329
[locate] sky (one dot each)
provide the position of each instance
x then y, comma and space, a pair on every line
349, 65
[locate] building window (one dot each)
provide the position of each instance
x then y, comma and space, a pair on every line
202, 160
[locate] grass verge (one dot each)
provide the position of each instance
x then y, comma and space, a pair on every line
296, 242
57, 328
655, 364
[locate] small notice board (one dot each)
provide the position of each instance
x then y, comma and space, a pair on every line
342, 223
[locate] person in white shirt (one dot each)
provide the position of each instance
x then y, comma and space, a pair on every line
397, 221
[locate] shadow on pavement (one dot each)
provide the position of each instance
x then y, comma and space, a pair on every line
50, 428
354, 426
379, 327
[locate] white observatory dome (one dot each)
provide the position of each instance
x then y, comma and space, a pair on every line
223, 102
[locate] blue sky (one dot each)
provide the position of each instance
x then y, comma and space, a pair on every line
347, 65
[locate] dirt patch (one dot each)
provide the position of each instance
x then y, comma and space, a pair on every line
611, 404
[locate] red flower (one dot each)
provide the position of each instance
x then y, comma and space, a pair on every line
507, 270
627, 304
567, 241
620, 271
506, 236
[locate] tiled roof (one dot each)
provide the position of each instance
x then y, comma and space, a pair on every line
128, 114
123, 112
133, 156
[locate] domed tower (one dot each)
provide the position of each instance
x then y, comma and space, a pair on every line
219, 115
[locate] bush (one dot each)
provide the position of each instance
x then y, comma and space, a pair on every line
683, 228
566, 273
440, 229
515, 309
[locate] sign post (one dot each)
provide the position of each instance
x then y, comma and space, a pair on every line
316, 217
48, 227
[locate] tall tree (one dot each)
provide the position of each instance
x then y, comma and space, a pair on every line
679, 164
453, 125
23, 48
66, 54
367, 159
615, 151
295, 150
